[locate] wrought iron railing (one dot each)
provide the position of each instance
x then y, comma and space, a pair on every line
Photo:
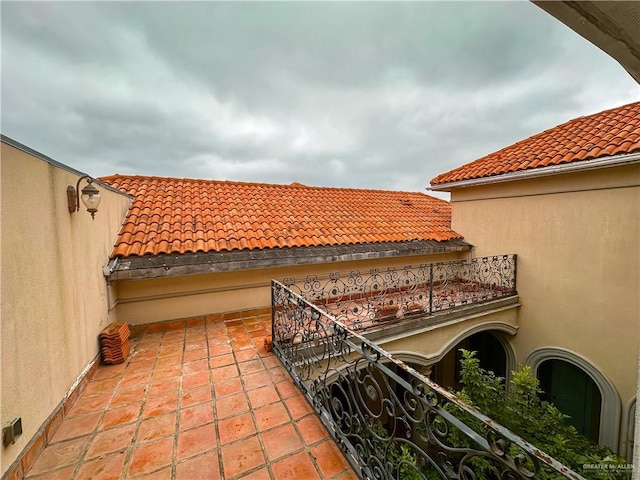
365, 301
390, 421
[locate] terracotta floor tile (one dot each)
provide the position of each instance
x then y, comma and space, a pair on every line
164, 474
272, 361
263, 396
311, 429
112, 440
195, 416
230, 387
120, 415
329, 458
279, 374
164, 386
154, 393
193, 380
108, 371
286, 388
294, 468
221, 360
168, 358
59, 474
159, 405
196, 441
195, 366
85, 405
169, 371
140, 354
262, 474
99, 387
217, 341
231, 405
205, 467
103, 468
194, 396
124, 396
134, 379
251, 366
175, 336
256, 380
298, 406
143, 365
236, 428
220, 374
242, 456
248, 354
262, 351
259, 335
157, 427
150, 457
196, 354
198, 344
241, 344
271, 416
219, 349
348, 475
281, 441
59, 455
169, 355
237, 329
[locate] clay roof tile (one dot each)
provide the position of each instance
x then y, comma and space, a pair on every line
607, 133
251, 216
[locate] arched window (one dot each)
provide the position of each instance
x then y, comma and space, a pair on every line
491, 353
574, 393
610, 406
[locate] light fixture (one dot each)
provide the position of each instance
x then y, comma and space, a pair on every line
90, 196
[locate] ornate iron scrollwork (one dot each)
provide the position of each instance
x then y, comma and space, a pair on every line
390, 421
368, 301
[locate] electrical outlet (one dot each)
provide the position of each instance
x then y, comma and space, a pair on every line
11, 431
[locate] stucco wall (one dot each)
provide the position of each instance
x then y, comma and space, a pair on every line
576, 236
54, 297
154, 300
434, 343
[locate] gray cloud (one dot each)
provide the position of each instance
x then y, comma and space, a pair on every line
368, 95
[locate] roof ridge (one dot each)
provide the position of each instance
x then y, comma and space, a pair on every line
294, 185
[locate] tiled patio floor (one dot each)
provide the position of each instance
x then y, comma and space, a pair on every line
196, 400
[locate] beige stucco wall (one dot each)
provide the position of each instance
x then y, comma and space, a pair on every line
577, 240
154, 300
434, 342
54, 297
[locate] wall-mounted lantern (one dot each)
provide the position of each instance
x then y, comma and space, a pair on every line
90, 196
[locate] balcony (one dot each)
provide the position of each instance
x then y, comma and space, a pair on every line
390, 421
427, 293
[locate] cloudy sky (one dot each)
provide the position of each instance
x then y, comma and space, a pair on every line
373, 95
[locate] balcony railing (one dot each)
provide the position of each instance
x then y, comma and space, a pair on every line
390, 421
367, 301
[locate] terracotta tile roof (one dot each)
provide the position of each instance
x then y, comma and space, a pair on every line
174, 216
612, 132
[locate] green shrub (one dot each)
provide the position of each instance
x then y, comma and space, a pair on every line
521, 410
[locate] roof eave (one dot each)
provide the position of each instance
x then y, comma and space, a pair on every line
177, 265
585, 165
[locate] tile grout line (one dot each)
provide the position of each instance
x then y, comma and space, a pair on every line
131, 447
252, 411
174, 455
214, 401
